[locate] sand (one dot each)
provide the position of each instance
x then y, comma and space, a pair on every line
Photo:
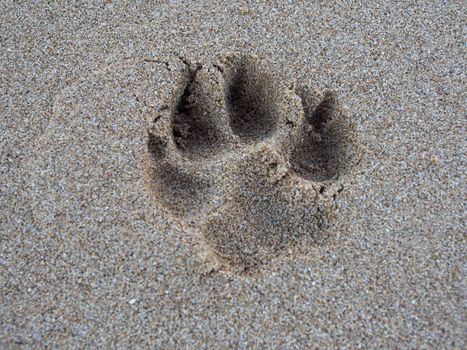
232, 175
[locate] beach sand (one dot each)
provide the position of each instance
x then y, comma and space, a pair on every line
232, 175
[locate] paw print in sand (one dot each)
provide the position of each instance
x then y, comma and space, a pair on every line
254, 164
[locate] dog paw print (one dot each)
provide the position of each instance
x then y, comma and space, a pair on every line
254, 164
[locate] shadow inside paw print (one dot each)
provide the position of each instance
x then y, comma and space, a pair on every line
252, 163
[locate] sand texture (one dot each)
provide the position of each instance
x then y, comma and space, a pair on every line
211, 174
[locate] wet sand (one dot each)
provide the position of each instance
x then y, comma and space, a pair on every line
107, 243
